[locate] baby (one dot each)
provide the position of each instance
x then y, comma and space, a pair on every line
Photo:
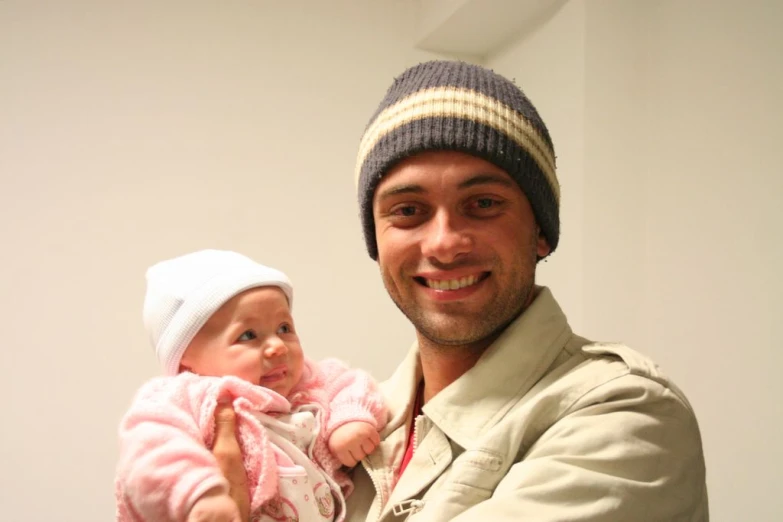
222, 328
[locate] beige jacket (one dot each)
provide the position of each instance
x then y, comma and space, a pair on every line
545, 427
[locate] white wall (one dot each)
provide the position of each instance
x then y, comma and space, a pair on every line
714, 235
134, 131
674, 112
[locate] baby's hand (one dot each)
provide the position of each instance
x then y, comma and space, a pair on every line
353, 441
214, 507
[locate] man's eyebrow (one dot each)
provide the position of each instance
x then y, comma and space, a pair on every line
486, 179
479, 179
400, 189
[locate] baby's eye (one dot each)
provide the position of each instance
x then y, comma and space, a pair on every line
247, 335
284, 329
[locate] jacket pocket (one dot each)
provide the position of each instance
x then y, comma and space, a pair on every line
477, 468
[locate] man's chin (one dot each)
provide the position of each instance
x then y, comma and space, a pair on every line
451, 332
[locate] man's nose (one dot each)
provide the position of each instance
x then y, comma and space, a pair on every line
446, 238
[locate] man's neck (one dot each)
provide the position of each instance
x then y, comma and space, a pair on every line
442, 365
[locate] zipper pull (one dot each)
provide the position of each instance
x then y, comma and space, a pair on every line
407, 507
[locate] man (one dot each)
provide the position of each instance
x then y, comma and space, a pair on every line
499, 411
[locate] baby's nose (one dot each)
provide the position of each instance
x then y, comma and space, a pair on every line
275, 347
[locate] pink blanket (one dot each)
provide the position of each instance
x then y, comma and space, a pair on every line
165, 463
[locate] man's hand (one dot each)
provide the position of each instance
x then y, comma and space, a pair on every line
353, 441
229, 457
214, 507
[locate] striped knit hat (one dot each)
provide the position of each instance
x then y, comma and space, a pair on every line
446, 105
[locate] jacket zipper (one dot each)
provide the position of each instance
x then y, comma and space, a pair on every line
416, 432
407, 507
410, 506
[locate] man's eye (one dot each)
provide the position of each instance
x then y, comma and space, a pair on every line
407, 211
247, 335
486, 205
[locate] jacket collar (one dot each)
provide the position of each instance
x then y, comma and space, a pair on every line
476, 401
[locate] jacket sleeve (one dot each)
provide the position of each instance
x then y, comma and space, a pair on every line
352, 395
164, 464
627, 450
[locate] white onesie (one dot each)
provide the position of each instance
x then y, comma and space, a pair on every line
305, 493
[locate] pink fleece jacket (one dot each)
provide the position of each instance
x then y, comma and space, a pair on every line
165, 463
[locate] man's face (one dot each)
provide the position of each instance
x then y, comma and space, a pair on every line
457, 245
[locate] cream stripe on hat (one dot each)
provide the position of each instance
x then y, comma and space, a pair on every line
462, 103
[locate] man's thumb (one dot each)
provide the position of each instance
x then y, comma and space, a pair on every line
225, 417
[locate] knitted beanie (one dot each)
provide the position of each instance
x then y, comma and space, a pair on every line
450, 105
184, 292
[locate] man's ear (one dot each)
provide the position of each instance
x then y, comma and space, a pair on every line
542, 245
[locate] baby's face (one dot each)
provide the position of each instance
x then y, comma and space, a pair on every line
252, 337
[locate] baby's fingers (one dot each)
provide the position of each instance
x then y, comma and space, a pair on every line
368, 445
347, 458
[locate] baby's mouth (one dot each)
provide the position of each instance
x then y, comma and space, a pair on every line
274, 375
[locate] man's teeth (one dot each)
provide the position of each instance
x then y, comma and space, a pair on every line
451, 284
